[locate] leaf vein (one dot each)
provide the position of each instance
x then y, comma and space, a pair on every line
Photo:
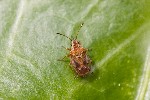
145, 78
117, 49
13, 30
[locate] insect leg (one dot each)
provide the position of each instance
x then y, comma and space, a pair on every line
89, 49
62, 59
88, 60
76, 76
66, 48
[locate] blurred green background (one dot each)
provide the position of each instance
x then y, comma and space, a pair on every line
117, 31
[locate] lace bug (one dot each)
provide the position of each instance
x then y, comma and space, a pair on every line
79, 60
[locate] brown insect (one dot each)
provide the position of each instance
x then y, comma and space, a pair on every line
78, 57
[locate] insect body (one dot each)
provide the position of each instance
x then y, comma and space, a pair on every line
78, 57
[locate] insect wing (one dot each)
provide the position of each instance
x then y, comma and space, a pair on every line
74, 63
80, 69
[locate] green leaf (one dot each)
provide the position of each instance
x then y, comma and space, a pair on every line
117, 31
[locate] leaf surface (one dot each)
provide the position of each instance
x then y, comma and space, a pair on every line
117, 32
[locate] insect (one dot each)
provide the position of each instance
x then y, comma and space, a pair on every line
79, 60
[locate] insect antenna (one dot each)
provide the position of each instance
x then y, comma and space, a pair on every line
79, 30
64, 36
